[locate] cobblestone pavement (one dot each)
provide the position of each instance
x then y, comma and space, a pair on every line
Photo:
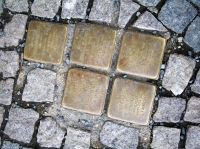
79, 74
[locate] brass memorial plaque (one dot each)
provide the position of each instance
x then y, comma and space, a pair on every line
93, 45
45, 42
141, 55
85, 91
131, 101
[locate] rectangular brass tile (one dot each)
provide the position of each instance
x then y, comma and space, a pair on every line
85, 91
141, 55
93, 45
45, 42
131, 101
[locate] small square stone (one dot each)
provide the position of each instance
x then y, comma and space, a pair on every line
77, 139
10, 145
93, 45
17, 6
178, 73
74, 9
165, 138
169, 109
193, 110
141, 55
85, 91
6, 90
50, 134
45, 42
104, 11
9, 63
118, 136
193, 138
131, 101
20, 125
40, 86
45, 8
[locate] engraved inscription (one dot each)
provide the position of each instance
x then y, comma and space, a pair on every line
131, 101
45, 42
141, 55
85, 91
93, 45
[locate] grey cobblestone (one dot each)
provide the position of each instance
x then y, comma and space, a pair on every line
45, 8
169, 110
177, 14
193, 135
2, 110
9, 63
17, 5
149, 22
196, 2
103, 11
6, 89
193, 110
178, 73
40, 86
77, 139
193, 35
10, 145
195, 87
1, 8
166, 138
74, 9
20, 125
13, 31
49, 133
148, 3
127, 9
118, 136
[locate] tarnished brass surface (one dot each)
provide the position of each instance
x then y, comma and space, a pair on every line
85, 91
45, 42
131, 101
141, 55
93, 45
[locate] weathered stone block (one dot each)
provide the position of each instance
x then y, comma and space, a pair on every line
6, 90
193, 137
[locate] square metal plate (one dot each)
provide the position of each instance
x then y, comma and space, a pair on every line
45, 42
141, 55
93, 45
85, 91
131, 101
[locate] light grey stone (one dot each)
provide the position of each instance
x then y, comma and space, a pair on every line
13, 31
118, 136
103, 11
196, 2
192, 37
127, 9
165, 138
10, 145
45, 8
178, 73
17, 5
193, 110
40, 86
195, 87
50, 134
20, 125
148, 22
169, 109
6, 89
148, 3
77, 139
177, 14
9, 63
2, 110
74, 9
193, 138
25, 147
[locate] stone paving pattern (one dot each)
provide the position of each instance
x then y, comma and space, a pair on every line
121, 98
